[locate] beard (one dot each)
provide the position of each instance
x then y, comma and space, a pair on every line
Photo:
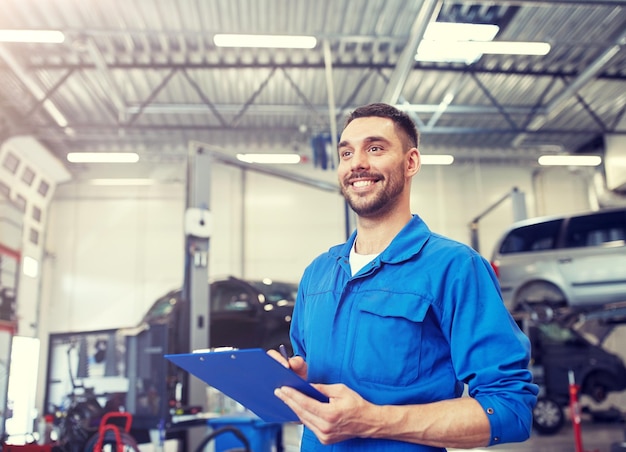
379, 202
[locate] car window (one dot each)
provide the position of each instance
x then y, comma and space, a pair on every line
556, 334
230, 297
534, 237
276, 292
605, 228
162, 307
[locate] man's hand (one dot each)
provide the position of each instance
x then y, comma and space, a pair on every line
295, 363
346, 415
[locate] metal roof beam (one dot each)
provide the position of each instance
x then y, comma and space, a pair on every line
33, 87
305, 65
427, 12
107, 82
152, 96
558, 102
203, 97
84, 130
201, 108
332, 110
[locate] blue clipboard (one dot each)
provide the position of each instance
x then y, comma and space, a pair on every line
248, 376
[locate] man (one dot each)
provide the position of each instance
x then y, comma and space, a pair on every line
394, 323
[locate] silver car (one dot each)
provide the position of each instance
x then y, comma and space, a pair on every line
574, 260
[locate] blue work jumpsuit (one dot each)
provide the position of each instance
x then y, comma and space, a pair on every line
411, 327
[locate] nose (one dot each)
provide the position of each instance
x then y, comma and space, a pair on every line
359, 160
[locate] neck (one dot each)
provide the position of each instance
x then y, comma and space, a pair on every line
374, 235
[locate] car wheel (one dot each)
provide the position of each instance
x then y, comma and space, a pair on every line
596, 386
540, 299
548, 416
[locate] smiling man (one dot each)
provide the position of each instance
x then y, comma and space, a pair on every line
396, 322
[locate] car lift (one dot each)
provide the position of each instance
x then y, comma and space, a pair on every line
607, 316
198, 231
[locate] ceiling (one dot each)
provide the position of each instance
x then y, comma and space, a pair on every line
145, 76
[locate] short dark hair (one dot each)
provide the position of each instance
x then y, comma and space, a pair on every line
381, 110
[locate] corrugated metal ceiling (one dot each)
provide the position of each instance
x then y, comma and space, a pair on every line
145, 75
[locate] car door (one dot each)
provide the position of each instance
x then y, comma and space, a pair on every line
234, 315
593, 260
561, 351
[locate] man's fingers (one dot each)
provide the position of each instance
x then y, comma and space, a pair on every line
278, 357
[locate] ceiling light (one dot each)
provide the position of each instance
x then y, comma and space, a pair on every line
124, 181
569, 160
269, 158
509, 47
438, 159
39, 36
102, 157
453, 31
470, 51
269, 41
466, 43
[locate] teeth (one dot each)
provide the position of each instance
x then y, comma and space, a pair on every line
362, 183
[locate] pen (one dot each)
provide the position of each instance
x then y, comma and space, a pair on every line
283, 352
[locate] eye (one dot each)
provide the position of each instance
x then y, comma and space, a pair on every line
375, 149
345, 153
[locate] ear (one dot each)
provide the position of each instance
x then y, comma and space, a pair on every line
413, 162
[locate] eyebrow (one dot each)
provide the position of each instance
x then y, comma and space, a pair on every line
368, 140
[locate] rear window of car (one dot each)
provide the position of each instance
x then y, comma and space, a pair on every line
606, 228
533, 237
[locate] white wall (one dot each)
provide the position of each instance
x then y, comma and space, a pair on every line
108, 254
111, 251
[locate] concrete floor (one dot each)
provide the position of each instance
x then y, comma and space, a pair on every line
596, 437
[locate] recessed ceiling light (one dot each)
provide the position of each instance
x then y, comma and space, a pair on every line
456, 31
39, 36
569, 160
269, 158
466, 43
269, 41
436, 159
102, 157
123, 181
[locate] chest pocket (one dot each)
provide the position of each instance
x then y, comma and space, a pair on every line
388, 339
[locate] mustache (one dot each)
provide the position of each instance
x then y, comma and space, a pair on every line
362, 175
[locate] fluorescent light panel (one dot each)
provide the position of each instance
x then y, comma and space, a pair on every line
124, 182
39, 36
436, 159
269, 158
267, 41
452, 31
102, 157
466, 43
569, 160
440, 159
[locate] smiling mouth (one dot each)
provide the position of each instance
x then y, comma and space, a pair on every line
363, 183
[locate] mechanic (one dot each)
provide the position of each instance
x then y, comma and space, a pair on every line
403, 329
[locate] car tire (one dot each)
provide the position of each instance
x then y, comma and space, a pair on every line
548, 416
618, 447
596, 386
540, 299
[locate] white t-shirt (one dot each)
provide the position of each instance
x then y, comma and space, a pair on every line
358, 261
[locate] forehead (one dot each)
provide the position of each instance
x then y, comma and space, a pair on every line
363, 128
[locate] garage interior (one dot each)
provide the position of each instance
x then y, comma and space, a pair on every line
88, 247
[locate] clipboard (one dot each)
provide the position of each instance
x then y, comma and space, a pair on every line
248, 376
